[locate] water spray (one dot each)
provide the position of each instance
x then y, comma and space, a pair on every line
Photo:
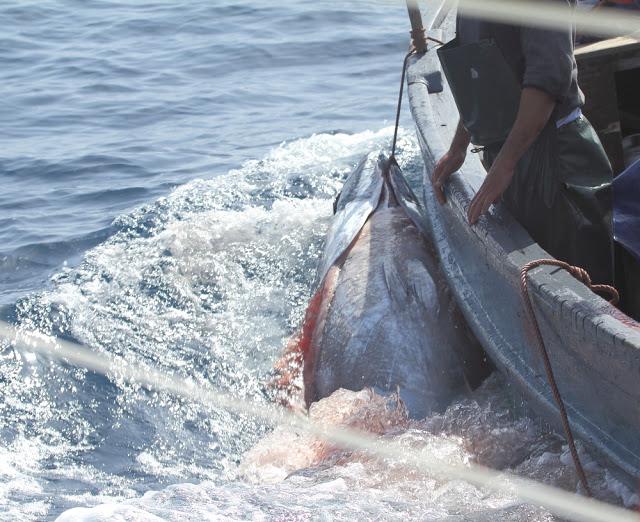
557, 501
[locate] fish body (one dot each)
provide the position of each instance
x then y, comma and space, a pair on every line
383, 316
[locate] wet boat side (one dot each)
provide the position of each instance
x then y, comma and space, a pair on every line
594, 348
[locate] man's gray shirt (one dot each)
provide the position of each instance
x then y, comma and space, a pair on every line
541, 58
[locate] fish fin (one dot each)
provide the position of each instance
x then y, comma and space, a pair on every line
396, 285
422, 286
408, 200
416, 287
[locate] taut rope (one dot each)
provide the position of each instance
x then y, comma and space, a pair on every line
413, 51
395, 130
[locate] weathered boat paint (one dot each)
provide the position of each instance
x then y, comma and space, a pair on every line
594, 347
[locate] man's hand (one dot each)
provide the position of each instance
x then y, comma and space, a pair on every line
446, 166
496, 182
451, 161
535, 110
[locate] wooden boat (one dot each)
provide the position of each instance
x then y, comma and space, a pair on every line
594, 347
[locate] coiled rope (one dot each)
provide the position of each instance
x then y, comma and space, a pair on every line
581, 275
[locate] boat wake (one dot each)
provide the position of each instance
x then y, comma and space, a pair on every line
208, 283
291, 475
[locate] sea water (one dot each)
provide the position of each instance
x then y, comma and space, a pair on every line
168, 171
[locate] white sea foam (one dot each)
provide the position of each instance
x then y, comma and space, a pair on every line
295, 476
208, 283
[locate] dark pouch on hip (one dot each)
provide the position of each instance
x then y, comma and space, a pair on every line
484, 87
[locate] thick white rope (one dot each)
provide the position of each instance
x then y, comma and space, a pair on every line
607, 22
559, 502
553, 15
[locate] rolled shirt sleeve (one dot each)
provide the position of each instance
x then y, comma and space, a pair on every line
549, 61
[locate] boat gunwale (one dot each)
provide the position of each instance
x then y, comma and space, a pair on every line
554, 292
460, 193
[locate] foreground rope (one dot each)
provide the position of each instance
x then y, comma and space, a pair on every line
562, 503
581, 275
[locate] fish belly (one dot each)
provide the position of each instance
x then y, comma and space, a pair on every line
388, 323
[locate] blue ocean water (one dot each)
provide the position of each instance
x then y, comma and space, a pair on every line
107, 105
167, 173
110, 110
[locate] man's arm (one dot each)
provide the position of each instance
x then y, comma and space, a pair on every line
534, 112
451, 161
548, 76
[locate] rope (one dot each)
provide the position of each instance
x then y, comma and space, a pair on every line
395, 130
561, 503
404, 73
581, 275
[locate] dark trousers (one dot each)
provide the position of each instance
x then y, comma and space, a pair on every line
561, 194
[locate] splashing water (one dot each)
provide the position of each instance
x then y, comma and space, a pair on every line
208, 283
351, 485
205, 283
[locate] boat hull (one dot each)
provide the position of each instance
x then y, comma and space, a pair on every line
594, 348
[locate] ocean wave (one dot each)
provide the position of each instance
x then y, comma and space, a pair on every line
206, 282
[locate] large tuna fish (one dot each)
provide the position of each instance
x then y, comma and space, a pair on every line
383, 316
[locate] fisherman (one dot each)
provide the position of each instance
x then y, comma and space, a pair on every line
517, 92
